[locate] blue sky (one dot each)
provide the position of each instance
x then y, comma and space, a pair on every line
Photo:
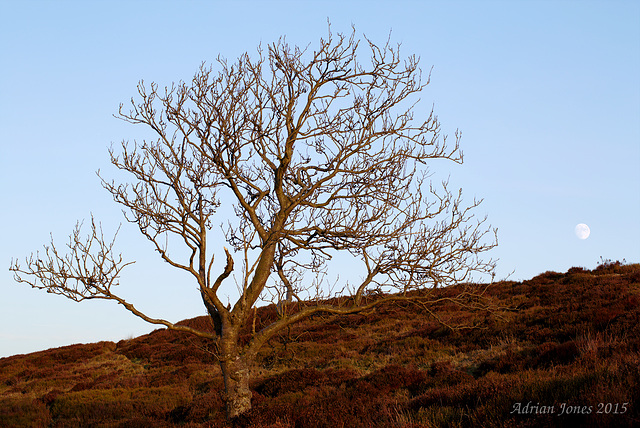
546, 94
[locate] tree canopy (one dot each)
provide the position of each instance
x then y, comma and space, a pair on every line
318, 153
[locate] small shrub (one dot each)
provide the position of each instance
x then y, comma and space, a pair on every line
23, 412
394, 377
556, 353
92, 406
290, 381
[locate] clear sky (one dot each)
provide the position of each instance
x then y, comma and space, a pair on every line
546, 94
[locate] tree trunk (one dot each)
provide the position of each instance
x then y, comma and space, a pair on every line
236, 375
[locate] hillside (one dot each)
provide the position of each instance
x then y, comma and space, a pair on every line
564, 351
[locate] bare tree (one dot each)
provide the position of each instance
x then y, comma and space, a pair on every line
318, 154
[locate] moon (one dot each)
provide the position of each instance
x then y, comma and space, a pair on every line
582, 231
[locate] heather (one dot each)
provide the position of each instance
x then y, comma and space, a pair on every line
568, 340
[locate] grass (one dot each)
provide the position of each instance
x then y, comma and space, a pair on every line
571, 341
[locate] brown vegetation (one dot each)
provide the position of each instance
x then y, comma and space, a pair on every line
569, 339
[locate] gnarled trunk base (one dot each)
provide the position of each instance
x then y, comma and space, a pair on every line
236, 384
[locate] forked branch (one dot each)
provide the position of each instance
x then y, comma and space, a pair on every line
89, 269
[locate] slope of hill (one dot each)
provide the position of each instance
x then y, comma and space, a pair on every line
564, 351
